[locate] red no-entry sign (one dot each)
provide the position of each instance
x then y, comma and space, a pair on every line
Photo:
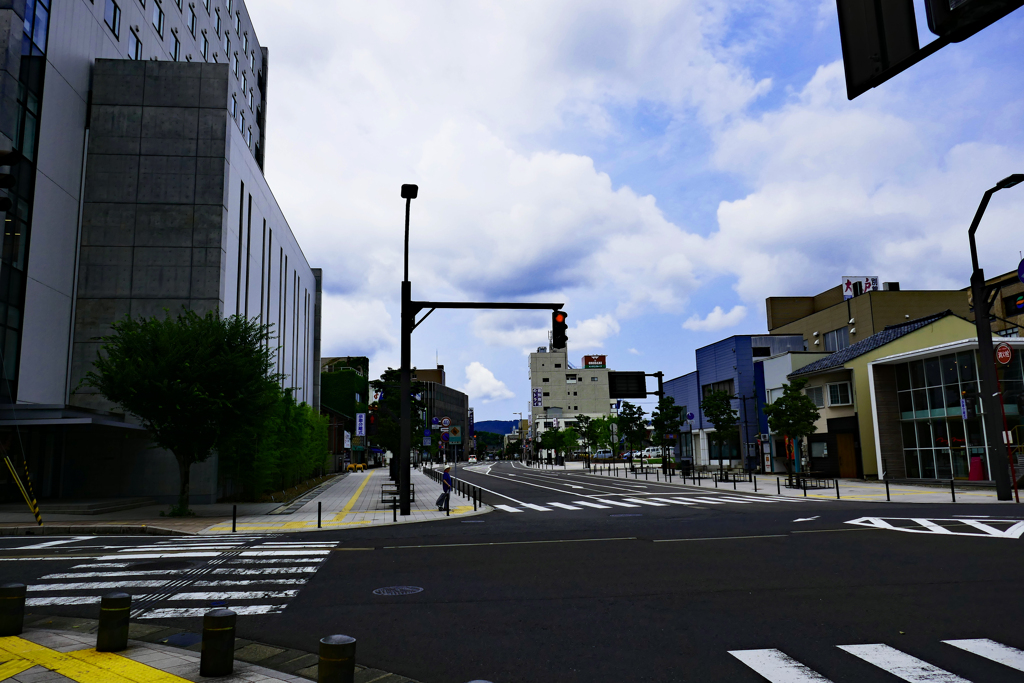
1003, 353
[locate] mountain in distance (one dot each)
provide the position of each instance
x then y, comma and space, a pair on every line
496, 426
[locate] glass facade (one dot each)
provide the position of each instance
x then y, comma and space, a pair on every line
938, 443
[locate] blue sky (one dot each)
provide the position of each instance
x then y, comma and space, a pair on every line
661, 167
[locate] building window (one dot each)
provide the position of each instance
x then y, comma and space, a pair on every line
819, 449
227, 45
175, 48
727, 386
245, 83
593, 379
205, 45
234, 106
245, 43
134, 46
547, 393
192, 22
234, 64
558, 365
206, 4
774, 395
252, 61
158, 19
548, 425
837, 340
112, 17
545, 379
241, 121
570, 379
839, 394
178, 3
250, 98
816, 395
238, 23
248, 135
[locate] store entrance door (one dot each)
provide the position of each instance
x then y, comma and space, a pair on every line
847, 456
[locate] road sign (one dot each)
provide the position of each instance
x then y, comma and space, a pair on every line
455, 431
435, 421
426, 441
1003, 353
446, 422
444, 437
1020, 271
690, 416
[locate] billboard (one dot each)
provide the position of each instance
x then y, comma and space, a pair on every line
472, 424
594, 362
538, 398
855, 285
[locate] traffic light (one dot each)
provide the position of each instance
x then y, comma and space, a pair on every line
961, 19
559, 328
7, 180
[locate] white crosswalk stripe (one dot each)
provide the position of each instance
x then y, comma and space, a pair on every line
588, 504
674, 502
251, 575
644, 502
634, 502
538, 508
508, 508
564, 506
617, 503
778, 667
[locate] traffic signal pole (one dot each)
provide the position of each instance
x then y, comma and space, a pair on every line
410, 309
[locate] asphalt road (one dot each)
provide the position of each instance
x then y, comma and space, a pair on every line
643, 593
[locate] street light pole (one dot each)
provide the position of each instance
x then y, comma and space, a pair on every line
409, 193
999, 460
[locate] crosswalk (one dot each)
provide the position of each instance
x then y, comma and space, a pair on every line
778, 667
185, 578
607, 503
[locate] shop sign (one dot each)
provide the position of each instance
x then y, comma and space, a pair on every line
1003, 353
595, 362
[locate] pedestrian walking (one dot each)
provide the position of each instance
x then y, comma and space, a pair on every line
446, 487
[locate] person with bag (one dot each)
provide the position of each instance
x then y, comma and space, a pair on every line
446, 487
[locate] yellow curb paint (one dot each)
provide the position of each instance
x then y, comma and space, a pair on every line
352, 501
122, 666
13, 668
84, 667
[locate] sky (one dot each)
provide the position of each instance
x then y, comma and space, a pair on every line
661, 167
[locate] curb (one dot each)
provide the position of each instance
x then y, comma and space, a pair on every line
482, 511
282, 659
92, 530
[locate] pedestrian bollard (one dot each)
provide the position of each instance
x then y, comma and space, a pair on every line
337, 660
837, 489
887, 490
734, 483
218, 654
715, 479
394, 509
319, 505
952, 490
234, 517
804, 482
12, 608
778, 486
112, 633
474, 498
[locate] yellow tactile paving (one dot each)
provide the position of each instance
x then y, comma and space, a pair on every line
83, 666
13, 668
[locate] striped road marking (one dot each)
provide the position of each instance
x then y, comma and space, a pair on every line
901, 665
990, 649
778, 667
538, 508
564, 506
615, 502
591, 505
508, 508
641, 501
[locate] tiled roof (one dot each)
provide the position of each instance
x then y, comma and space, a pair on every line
890, 333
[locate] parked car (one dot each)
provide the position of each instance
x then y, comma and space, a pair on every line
472, 458
603, 453
652, 452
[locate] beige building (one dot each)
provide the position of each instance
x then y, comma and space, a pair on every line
561, 392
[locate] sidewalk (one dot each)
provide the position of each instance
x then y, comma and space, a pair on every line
849, 489
350, 501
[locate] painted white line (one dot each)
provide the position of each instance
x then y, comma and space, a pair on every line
674, 502
901, 665
733, 499
67, 600
645, 502
564, 506
591, 505
778, 667
699, 500
276, 560
268, 570
250, 582
936, 528
806, 519
990, 649
270, 553
154, 556
105, 575
235, 595
617, 503
101, 565
508, 508
172, 612
96, 585
538, 508
50, 544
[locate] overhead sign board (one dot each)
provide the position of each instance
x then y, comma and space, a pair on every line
1020, 271
595, 362
627, 385
855, 285
1004, 353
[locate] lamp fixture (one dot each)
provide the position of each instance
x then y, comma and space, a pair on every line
815, 334
851, 321
853, 330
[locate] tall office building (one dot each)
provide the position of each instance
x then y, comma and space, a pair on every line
139, 130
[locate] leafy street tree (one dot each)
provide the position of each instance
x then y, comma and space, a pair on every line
551, 440
632, 425
196, 382
717, 408
570, 441
587, 428
667, 420
793, 414
388, 410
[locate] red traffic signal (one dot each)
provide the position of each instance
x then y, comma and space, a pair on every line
559, 330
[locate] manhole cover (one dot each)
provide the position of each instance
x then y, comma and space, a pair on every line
165, 565
398, 590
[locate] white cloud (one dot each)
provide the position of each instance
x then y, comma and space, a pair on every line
591, 333
717, 319
355, 326
634, 352
482, 385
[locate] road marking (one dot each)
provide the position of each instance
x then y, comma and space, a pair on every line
675, 502
990, 649
539, 508
716, 538
699, 500
125, 667
50, 544
591, 505
806, 519
645, 502
154, 556
267, 553
901, 665
235, 595
777, 666
67, 600
729, 499
267, 570
352, 501
173, 612
931, 526
564, 506
95, 585
617, 503
508, 508
475, 545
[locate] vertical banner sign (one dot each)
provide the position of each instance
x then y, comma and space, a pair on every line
348, 439
472, 424
538, 398
360, 424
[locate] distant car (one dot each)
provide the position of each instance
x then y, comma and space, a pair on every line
652, 452
603, 453
472, 458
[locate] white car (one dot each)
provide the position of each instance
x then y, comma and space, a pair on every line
652, 452
603, 453
472, 458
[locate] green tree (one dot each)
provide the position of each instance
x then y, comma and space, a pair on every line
570, 441
718, 410
587, 428
388, 414
793, 414
551, 439
632, 425
196, 382
667, 420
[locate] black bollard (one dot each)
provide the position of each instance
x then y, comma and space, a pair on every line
755, 482
952, 490
734, 483
218, 654
837, 489
778, 486
887, 490
12, 608
337, 660
234, 517
318, 506
112, 634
